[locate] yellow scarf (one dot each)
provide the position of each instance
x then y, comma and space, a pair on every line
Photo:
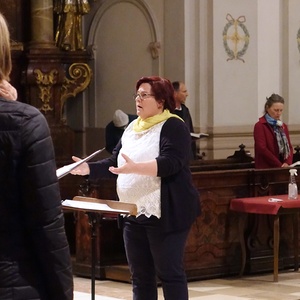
141, 125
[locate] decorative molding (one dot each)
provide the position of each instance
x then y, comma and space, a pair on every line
45, 82
142, 5
298, 39
235, 37
81, 75
154, 48
16, 46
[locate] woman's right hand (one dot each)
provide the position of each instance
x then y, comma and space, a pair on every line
82, 169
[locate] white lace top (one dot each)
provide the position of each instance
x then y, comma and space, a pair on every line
142, 190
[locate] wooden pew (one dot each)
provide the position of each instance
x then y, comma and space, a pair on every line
213, 248
241, 159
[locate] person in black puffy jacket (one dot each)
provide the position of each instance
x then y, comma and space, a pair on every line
35, 260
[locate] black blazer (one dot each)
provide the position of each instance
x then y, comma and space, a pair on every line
184, 113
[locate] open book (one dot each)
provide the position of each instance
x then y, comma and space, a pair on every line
297, 163
199, 135
65, 170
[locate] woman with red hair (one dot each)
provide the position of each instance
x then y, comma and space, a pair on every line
152, 165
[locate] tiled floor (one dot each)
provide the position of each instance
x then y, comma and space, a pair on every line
260, 287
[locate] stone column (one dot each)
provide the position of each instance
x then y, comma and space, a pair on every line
42, 24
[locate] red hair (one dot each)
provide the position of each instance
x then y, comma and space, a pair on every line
161, 89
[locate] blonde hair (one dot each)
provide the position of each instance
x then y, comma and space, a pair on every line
5, 54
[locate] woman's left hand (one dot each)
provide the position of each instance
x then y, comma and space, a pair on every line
127, 168
7, 91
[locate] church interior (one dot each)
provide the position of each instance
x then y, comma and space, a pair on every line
77, 67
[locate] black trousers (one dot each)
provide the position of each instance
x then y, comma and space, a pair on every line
152, 254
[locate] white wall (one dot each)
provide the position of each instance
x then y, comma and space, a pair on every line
226, 97
120, 34
233, 92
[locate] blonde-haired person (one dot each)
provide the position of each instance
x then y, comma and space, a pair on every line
7, 91
272, 145
35, 259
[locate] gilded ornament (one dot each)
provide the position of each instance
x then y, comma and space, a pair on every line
45, 81
80, 75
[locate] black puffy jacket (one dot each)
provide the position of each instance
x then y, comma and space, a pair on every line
34, 253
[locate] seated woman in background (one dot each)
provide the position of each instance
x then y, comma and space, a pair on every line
272, 145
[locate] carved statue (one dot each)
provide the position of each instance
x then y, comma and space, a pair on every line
69, 28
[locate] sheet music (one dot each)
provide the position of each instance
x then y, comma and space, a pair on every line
65, 170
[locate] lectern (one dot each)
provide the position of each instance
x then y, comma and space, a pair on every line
94, 208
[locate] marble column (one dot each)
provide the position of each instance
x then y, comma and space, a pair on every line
42, 24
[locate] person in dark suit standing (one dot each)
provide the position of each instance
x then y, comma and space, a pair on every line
180, 95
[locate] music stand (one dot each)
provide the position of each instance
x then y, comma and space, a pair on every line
94, 207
